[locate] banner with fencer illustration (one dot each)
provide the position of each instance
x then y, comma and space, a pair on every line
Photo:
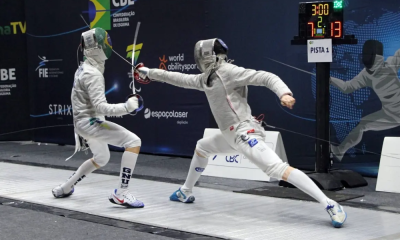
363, 112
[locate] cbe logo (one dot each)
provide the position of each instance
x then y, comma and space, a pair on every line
122, 3
7, 74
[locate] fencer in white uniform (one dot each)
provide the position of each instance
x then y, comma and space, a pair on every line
225, 86
89, 106
382, 77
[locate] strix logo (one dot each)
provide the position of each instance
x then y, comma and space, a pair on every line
58, 109
176, 63
6, 30
100, 13
147, 113
48, 72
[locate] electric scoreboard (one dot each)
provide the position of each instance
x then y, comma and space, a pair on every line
321, 20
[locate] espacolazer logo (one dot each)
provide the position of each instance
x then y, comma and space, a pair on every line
164, 114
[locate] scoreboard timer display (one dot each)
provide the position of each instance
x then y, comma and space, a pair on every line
321, 20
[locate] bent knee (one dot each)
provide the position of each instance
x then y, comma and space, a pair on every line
101, 159
133, 149
133, 143
201, 151
276, 170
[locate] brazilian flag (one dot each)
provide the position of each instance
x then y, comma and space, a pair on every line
99, 14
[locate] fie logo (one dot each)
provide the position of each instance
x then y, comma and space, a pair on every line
44, 72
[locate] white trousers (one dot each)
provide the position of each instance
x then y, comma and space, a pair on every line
100, 133
246, 138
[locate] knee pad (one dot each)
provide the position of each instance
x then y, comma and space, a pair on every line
102, 158
201, 151
276, 170
134, 142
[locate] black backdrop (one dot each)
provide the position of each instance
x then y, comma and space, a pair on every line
14, 97
254, 31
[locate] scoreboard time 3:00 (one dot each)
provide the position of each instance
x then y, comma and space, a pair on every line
321, 20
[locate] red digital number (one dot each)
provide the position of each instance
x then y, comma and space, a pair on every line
336, 29
312, 28
339, 28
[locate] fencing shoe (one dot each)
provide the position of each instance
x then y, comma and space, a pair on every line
125, 198
337, 213
182, 196
58, 192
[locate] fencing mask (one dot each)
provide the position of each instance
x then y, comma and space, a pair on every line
96, 44
370, 50
206, 52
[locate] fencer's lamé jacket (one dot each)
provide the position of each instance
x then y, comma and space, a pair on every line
88, 95
226, 89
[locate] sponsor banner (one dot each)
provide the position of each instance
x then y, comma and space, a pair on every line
176, 63
14, 84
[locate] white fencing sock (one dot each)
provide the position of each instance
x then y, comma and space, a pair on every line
86, 168
305, 184
128, 164
197, 167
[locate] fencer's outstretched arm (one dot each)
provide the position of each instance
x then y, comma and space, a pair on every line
190, 81
395, 60
350, 86
95, 87
244, 77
